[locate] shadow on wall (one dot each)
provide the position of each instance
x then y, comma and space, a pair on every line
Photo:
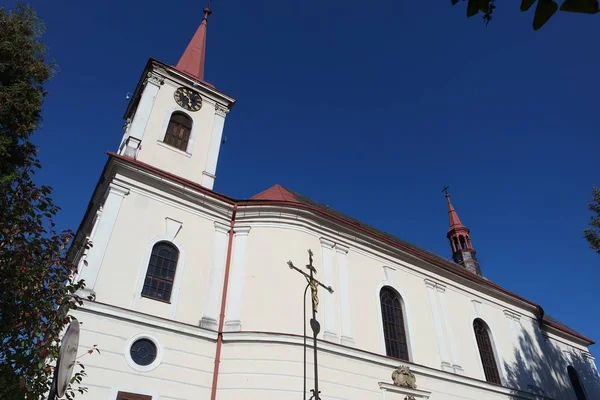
541, 367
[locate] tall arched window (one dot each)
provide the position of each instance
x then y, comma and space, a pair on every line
161, 272
486, 352
178, 131
394, 331
577, 386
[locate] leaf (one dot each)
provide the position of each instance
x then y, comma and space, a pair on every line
526, 4
544, 10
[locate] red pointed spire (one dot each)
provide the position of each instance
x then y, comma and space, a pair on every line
455, 223
192, 59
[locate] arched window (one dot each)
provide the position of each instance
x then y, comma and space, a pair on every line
178, 131
463, 244
394, 331
161, 272
577, 386
486, 352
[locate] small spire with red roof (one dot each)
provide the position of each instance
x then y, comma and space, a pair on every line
459, 235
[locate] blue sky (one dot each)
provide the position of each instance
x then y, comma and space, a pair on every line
371, 110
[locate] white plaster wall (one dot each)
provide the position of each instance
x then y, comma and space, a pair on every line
185, 371
272, 292
140, 224
272, 303
189, 164
259, 370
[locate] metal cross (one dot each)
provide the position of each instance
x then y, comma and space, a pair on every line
445, 189
314, 324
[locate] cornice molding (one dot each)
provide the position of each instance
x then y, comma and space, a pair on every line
242, 230
341, 248
221, 227
411, 394
328, 244
135, 317
364, 356
317, 220
155, 79
221, 110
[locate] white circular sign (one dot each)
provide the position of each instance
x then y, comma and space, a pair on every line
67, 357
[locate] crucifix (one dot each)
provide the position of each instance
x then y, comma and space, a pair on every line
445, 190
314, 324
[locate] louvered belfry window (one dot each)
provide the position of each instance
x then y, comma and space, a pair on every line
486, 352
161, 272
394, 331
178, 131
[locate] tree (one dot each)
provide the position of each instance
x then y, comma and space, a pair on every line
23, 72
37, 275
592, 234
543, 10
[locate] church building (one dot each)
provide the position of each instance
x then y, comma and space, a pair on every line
194, 299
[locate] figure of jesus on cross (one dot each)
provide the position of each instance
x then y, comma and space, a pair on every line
314, 324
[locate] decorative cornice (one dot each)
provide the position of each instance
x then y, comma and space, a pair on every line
410, 394
365, 356
117, 189
341, 249
429, 283
434, 285
512, 315
242, 230
221, 227
155, 79
138, 318
221, 110
328, 244
440, 288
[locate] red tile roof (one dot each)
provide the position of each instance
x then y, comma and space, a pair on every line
276, 192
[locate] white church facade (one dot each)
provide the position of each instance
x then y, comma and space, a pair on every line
194, 299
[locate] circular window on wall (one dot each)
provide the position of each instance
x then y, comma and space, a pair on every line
143, 352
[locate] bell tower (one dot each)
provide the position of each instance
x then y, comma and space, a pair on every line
459, 235
175, 119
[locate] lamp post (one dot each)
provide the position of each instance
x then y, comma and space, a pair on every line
314, 324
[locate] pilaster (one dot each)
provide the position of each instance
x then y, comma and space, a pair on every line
142, 114
438, 325
514, 325
330, 329
210, 317
454, 354
347, 337
236, 280
209, 173
102, 232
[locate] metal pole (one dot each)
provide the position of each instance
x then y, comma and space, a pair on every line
315, 328
304, 348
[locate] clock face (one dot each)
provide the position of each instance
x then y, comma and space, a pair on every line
188, 99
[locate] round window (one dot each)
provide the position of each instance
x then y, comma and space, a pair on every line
143, 352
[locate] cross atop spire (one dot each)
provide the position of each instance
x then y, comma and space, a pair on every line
193, 58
